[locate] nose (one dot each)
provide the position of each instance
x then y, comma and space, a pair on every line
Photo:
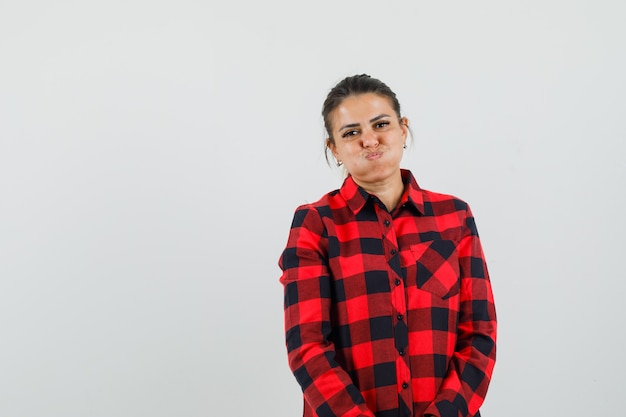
370, 139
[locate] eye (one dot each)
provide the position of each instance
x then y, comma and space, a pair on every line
381, 124
349, 133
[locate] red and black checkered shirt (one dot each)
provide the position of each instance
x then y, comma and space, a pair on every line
388, 314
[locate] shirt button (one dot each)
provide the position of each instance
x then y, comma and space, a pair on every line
393, 251
401, 352
387, 223
398, 282
405, 385
400, 316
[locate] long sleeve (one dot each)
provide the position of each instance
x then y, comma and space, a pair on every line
327, 387
469, 373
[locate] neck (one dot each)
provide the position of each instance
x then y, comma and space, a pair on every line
388, 192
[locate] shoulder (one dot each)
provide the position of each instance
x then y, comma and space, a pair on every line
444, 203
321, 206
432, 203
450, 208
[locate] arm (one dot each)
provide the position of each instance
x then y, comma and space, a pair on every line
327, 388
469, 373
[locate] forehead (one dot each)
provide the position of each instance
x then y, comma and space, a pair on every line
361, 108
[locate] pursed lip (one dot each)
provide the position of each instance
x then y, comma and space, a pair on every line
373, 155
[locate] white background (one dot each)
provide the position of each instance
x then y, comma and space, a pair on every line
152, 154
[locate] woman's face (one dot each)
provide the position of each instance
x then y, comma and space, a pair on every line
368, 138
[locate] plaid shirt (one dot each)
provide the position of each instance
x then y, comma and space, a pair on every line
388, 314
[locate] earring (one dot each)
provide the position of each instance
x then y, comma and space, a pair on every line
404, 146
339, 163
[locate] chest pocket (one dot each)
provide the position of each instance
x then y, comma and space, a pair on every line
437, 264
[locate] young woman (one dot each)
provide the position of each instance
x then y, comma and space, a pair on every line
388, 304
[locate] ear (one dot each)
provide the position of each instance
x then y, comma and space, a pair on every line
330, 145
404, 124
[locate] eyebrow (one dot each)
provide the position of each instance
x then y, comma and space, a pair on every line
381, 116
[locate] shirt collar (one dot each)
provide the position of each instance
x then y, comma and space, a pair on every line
356, 197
